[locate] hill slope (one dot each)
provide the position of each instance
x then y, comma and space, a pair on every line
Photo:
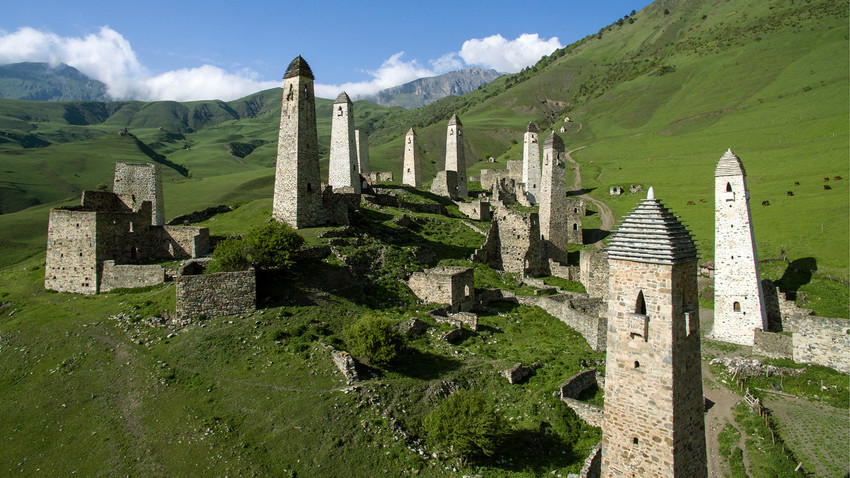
424, 91
42, 82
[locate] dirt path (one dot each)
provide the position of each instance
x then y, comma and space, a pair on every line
715, 421
604, 211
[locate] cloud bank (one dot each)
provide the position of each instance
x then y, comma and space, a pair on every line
108, 57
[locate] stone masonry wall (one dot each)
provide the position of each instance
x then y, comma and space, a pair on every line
576, 209
513, 244
454, 286
130, 275
455, 160
531, 165
71, 260
212, 295
361, 140
772, 344
412, 173
478, 210
589, 320
594, 273
143, 182
342, 164
820, 340
445, 184
554, 215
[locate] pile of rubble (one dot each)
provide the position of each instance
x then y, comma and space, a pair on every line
744, 367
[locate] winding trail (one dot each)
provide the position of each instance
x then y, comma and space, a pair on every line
604, 211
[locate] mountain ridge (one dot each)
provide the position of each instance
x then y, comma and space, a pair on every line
424, 91
34, 81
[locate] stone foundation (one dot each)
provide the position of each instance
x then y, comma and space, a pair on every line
212, 295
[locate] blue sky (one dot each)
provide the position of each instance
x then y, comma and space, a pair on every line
226, 49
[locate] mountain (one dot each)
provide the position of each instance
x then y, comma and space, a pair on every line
43, 82
424, 91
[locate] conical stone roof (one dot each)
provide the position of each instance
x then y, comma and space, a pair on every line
652, 234
532, 127
729, 165
455, 120
411, 132
342, 98
298, 67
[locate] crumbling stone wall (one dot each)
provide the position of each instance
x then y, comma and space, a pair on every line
820, 340
212, 295
380, 177
772, 344
445, 184
576, 209
583, 314
478, 210
513, 244
594, 273
451, 285
130, 276
141, 182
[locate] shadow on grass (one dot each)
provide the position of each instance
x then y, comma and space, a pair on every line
579, 192
537, 451
415, 363
797, 274
592, 236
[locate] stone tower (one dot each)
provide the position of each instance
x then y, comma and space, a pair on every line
738, 297
454, 154
412, 176
552, 200
531, 162
361, 139
342, 168
654, 423
141, 182
297, 187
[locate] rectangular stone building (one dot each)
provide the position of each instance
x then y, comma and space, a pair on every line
450, 285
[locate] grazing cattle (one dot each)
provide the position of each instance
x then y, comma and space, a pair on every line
790, 193
825, 179
701, 199
765, 203
796, 183
838, 178
690, 203
827, 186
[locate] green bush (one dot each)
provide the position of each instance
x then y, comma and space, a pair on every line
272, 246
375, 340
467, 424
228, 256
565, 421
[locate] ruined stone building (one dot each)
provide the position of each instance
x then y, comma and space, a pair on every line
513, 244
361, 140
141, 182
455, 160
654, 423
412, 175
554, 212
99, 245
531, 162
576, 209
738, 296
450, 285
342, 166
297, 185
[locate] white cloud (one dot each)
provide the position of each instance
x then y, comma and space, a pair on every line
108, 57
392, 72
507, 56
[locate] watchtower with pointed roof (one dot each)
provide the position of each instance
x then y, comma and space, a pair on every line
553, 207
738, 296
654, 423
412, 175
342, 166
297, 184
531, 162
454, 154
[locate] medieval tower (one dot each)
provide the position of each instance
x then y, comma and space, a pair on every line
552, 200
297, 187
412, 176
531, 162
342, 167
141, 182
454, 154
738, 297
654, 423
361, 140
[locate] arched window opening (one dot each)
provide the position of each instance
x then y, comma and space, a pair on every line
728, 187
640, 304
575, 227
309, 188
736, 306
637, 364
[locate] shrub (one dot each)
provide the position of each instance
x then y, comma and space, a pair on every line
467, 424
375, 340
272, 246
228, 256
565, 421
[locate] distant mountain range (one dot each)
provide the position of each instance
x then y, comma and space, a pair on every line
43, 82
425, 91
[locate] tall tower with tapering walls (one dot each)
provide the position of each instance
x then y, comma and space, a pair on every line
342, 167
531, 162
361, 140
654, 423
297, 187
552, 201
141, 182
738, 296
454, 154
412, 176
